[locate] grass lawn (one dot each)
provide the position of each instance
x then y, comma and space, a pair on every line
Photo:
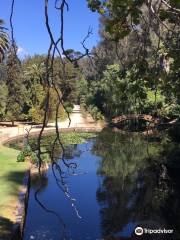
11, 177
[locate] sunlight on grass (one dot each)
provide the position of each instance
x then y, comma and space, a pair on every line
11, 177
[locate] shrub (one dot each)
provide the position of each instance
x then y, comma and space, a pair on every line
69, 106
36, 114
96, 114
27, 155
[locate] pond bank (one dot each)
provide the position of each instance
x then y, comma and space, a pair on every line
11, 175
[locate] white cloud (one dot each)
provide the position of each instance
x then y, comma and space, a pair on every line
21, 52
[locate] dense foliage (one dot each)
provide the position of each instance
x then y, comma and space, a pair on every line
23, 88
3, 40
135, 66
133, 69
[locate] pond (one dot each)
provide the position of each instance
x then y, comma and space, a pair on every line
121, 182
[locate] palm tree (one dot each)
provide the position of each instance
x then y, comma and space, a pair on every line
4, 41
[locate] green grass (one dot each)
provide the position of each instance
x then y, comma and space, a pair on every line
11, 177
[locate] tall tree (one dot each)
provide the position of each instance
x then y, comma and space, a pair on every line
3, 40
15, 88
143, 38
3, 90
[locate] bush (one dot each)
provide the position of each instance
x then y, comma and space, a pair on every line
36, 114
174, 111
69, 107
21, 157
27, 155
94, 111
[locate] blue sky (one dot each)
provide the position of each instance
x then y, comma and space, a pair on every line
30, 31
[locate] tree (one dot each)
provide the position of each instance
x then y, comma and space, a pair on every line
120, 15
34, 81
142, 37
3, 100
3, 40
3, 90
16, 90
33, 78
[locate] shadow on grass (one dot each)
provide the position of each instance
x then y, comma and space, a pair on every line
6, 227
7, 230
15, 176
13, 180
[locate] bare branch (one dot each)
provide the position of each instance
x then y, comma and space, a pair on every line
175, 10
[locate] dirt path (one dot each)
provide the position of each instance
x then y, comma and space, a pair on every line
78, 120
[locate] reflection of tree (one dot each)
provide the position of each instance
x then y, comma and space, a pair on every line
71, 151
135, 184
37, 180
171, 153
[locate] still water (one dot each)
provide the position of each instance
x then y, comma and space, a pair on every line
121, 182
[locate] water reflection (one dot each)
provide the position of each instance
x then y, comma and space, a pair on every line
122, 181
136, 187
